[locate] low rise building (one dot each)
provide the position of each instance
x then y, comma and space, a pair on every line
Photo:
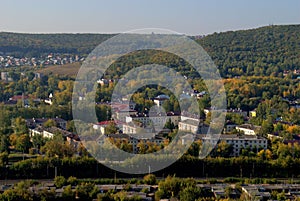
248, 129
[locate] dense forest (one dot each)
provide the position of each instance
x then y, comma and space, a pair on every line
263, 51
35, 45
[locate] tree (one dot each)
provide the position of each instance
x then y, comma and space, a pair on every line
169, 124
71, 126
4, 144
170, 187
150, 179
3, 158
68, 194
23, 143
142, 148
265, 154
60, 181
208, 118
267, 127
111, 128
86, 191
59, 149
190, 193
49, 123
223, 149
38, 141
19, 126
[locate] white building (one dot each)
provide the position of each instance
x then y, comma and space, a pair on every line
159, 100
190, 125
241, 142
248, 129
103, 124
136, 128
132, 140
155, 120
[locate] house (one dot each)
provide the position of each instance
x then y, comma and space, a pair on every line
52, 131
103, 82
248, 129
34, 122
103, 124
272, 136
252, 114
121, 113
5, 77
187, 115
159, 100
49, 100
135, 128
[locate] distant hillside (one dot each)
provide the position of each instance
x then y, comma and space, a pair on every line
35, 45
263, 51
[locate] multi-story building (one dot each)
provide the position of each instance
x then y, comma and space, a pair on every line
191, 125
132, 140
158, 120
240, 142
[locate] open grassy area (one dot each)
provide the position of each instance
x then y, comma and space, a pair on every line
64, 70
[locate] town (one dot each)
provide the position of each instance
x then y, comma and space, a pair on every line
44, 153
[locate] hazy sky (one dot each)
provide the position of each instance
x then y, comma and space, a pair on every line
191, 17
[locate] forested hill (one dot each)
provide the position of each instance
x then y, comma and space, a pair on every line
35, 45
262, 51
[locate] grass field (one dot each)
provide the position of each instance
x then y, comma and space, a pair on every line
63, 70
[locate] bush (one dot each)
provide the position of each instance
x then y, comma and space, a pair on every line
72, 181
150, 179
60, 181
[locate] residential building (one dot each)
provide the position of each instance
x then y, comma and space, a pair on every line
239, 112
159, 100
191, 125
248, 129
35, 122
49, 100
136, 128
103, 124
159, 119
240, 142
132, 140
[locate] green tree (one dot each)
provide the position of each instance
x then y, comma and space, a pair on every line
267, 127
4, 144
111, 128
60, 181
150, 179
19, 126
68, 193
23, 143
49, 123
190, 193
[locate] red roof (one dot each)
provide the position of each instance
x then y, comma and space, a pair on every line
18, 97
108, 122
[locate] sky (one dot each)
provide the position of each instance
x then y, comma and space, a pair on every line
191, 17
